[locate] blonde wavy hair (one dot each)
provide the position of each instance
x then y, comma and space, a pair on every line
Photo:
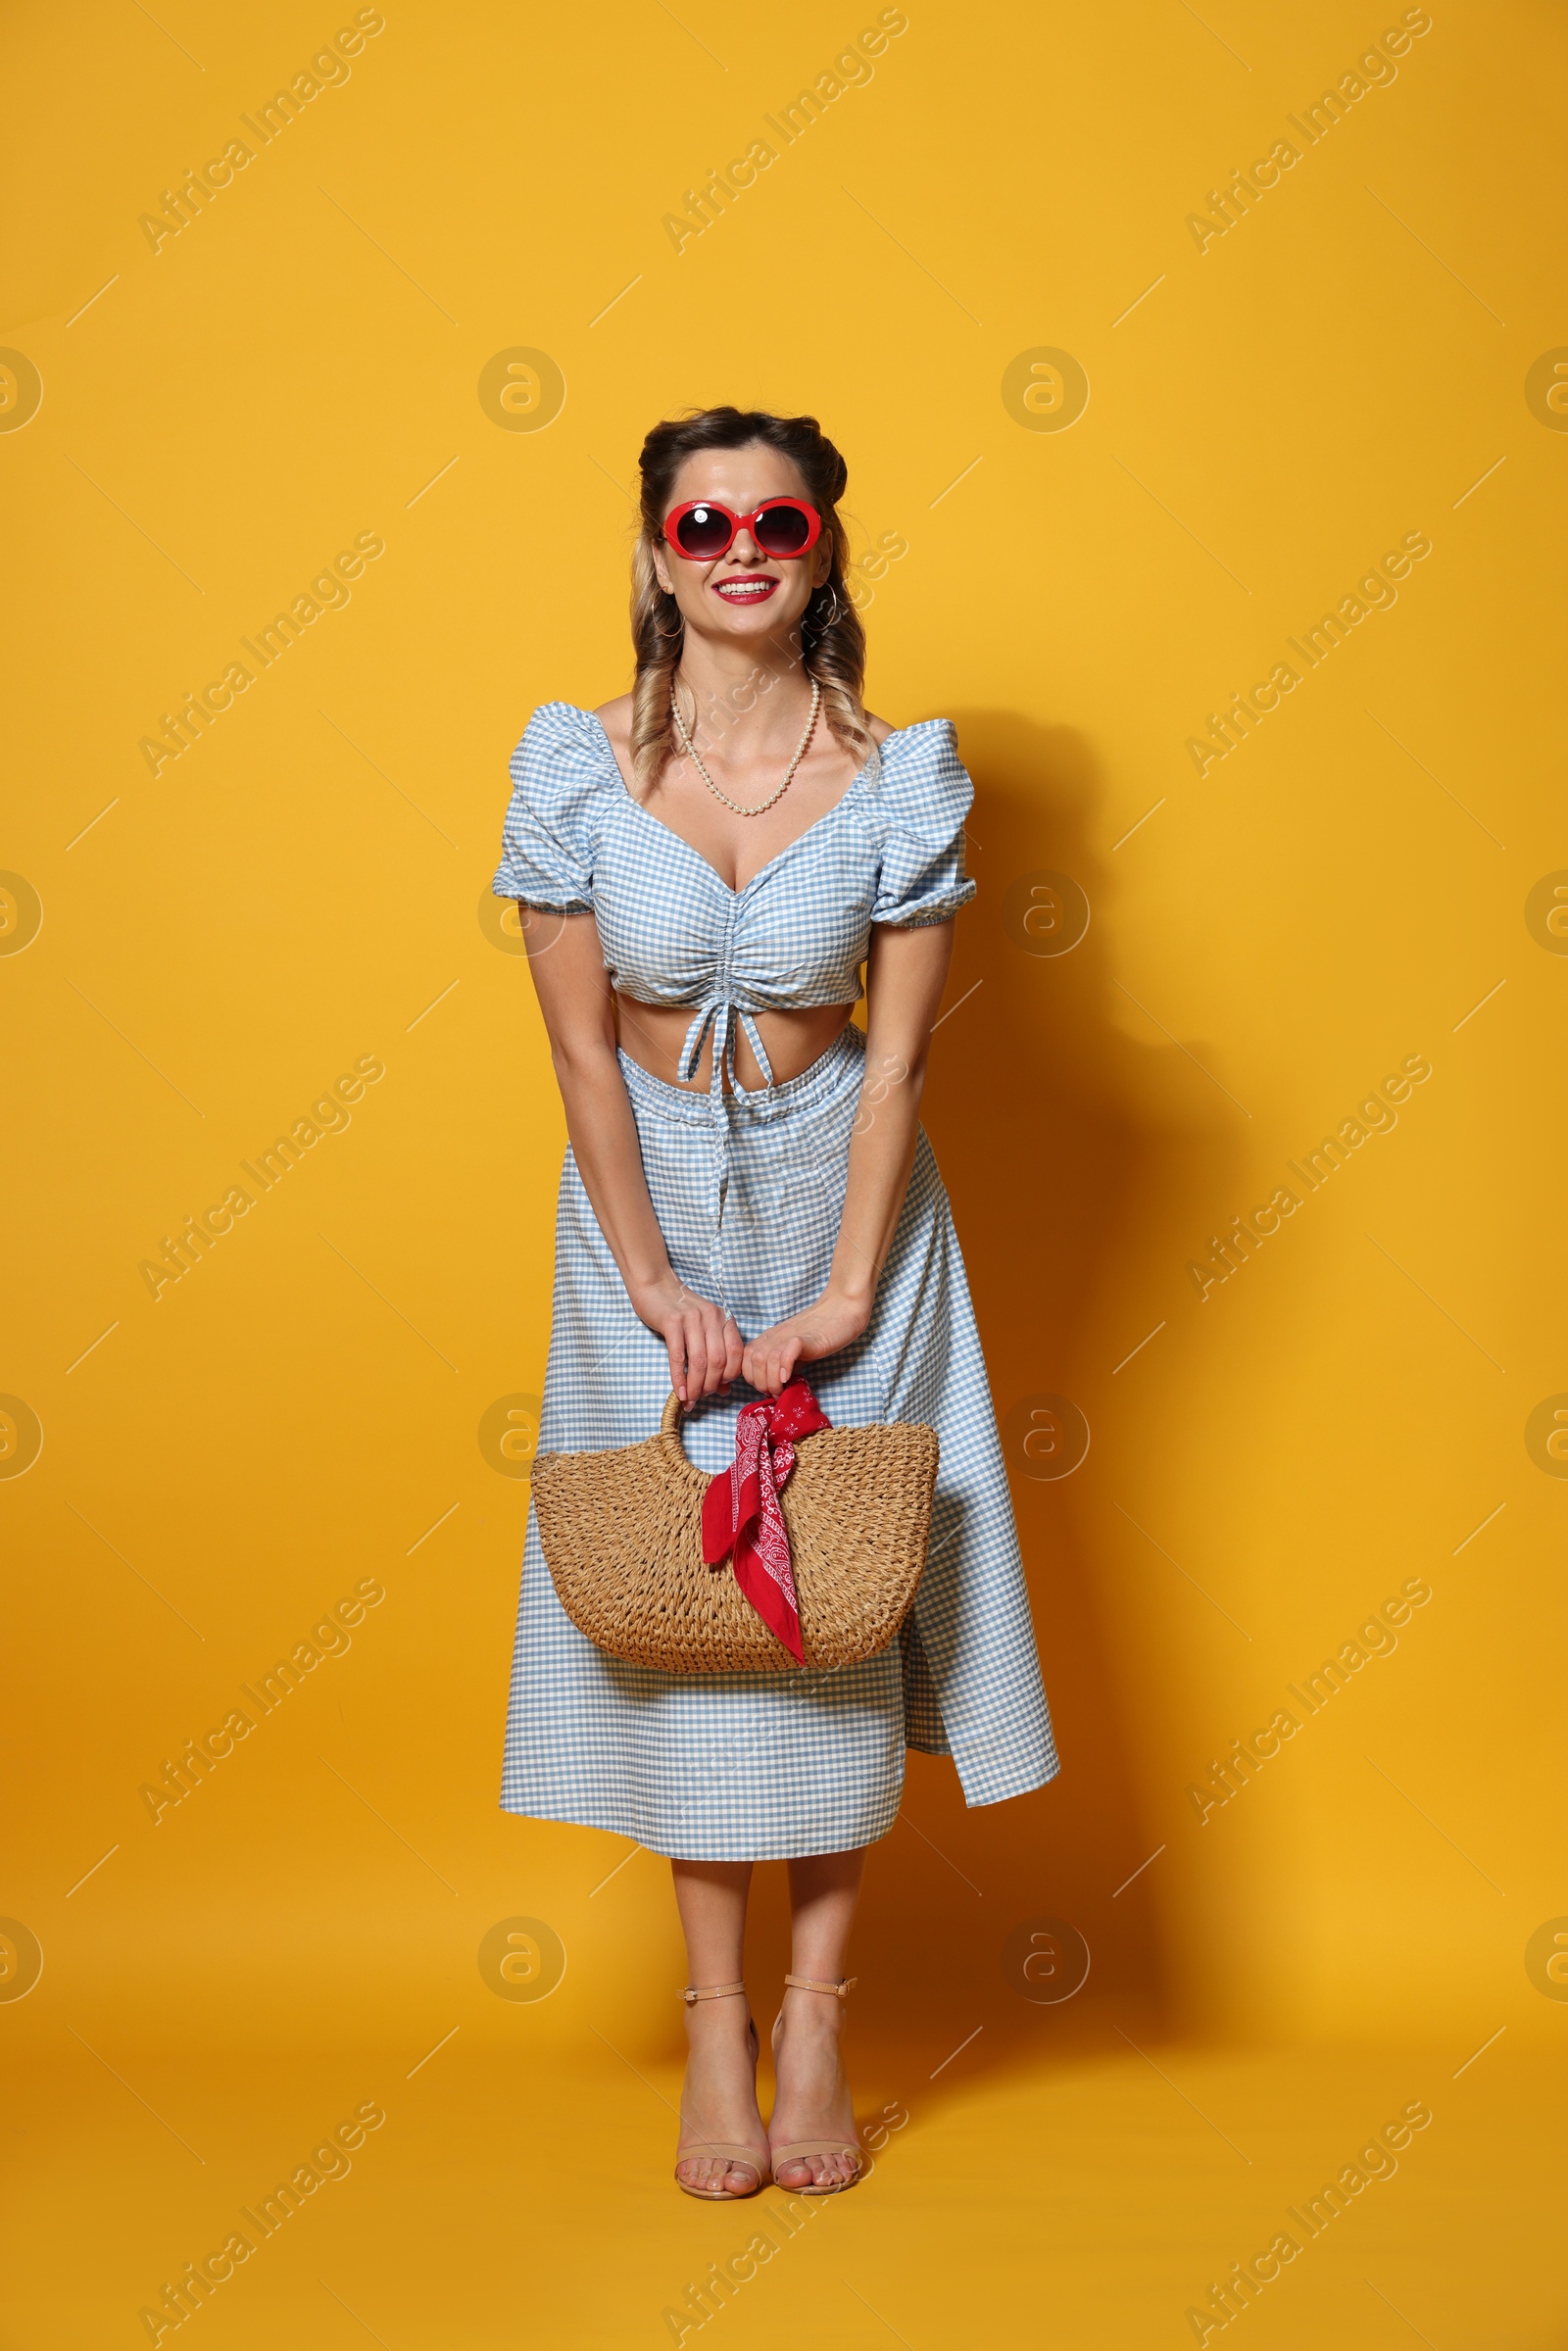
831, 640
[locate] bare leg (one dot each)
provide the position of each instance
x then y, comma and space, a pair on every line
719, 2099
813, 2091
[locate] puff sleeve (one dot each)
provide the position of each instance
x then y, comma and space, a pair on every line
923, 794
559, 780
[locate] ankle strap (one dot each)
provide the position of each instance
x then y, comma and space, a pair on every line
839, 1989
709, 1991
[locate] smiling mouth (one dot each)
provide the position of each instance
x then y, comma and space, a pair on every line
745, 591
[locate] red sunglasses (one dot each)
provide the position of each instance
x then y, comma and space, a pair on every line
782, 527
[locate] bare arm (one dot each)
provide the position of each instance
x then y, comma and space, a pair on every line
906, 974
567, 963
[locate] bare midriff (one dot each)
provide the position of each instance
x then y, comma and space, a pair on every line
653, 1036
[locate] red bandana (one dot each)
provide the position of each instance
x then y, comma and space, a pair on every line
741, 1512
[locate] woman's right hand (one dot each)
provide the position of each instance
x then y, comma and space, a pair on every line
705, 1343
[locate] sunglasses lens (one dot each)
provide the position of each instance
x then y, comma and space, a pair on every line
702, 532
782, 530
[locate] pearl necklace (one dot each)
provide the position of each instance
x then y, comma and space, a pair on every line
760, 805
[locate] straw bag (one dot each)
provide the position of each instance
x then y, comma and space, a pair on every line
621, 1532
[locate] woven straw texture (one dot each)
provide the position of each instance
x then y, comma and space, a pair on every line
622, 1538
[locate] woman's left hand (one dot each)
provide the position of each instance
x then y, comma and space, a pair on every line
771, 1358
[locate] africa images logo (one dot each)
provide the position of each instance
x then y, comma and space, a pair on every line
851, 69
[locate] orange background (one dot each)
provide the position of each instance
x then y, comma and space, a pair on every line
305, 887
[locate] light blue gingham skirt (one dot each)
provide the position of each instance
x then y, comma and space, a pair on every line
740, 1767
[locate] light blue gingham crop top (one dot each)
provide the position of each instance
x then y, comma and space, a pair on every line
673, 933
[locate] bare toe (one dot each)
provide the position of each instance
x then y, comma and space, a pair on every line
719, 2107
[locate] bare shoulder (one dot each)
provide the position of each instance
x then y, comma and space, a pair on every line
881, 728
616, 719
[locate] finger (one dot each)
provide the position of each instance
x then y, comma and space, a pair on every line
675, 1344
732, 1352
696, 1357
713, 1355
717, 1342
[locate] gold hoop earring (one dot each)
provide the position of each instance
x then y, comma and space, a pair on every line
828, 620
671, 634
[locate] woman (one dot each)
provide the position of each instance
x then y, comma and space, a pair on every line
703, 865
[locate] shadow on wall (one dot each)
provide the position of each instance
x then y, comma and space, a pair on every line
1075, 1155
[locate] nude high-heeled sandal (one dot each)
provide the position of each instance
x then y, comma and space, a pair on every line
804, 2149
743, 2159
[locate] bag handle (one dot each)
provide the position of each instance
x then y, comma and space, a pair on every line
670, 1417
